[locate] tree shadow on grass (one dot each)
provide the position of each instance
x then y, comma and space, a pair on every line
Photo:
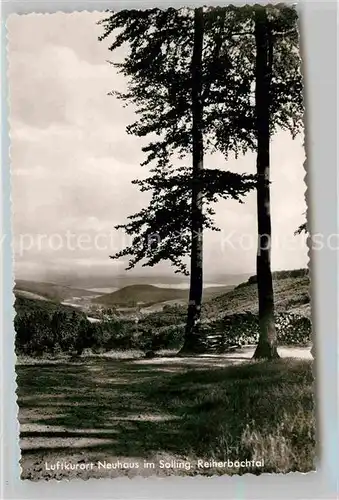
148, 409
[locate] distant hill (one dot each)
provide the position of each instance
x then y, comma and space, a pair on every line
150, 294
28, 295
25, 305
49, 291
112, 279
290, 294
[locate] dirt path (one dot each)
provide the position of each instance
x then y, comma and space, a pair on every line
119, 412
237, 356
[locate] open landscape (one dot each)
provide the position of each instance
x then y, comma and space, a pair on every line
162, 295
227, 320
167, 410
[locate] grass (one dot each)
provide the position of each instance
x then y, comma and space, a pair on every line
142, 408
289, 293
87, 355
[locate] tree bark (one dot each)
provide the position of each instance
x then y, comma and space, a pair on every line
192, 342
267, 345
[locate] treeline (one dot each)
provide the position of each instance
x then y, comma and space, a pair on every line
51, 329
39, 333
278, 275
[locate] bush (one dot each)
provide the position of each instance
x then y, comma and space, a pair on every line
243, 328
51, 331
59, 330
34, 333
169, 338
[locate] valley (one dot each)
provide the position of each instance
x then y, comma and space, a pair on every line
168, 304
126, 301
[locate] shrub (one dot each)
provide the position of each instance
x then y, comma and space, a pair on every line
243, 328
58, 330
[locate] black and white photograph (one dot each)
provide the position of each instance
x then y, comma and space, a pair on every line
161, 265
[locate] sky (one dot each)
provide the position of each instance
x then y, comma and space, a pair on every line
72, 162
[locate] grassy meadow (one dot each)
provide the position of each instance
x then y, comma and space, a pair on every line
168, 409
110, 402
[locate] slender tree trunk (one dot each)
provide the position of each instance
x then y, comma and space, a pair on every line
267, 345
192, 343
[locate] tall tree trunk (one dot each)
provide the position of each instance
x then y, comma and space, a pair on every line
192, 342
267, 345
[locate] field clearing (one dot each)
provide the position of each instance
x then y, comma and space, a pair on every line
171, 409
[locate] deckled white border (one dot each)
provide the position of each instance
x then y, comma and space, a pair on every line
319, 38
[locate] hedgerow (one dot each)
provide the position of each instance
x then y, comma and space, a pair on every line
42, 332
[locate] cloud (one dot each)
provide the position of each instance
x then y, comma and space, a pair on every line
73, 163
77, 30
